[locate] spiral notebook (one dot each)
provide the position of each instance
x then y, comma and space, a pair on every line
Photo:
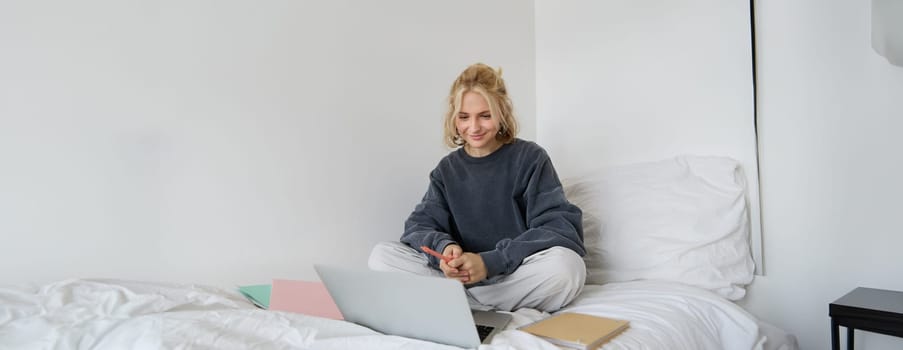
578, 331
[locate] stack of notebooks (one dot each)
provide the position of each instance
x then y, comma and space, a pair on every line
578, 331
305, 297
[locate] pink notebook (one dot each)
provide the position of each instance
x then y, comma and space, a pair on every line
305, 297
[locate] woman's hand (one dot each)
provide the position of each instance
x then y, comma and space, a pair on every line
465, 267
454, 251
471, 265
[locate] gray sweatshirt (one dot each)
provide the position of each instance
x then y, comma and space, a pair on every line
504, 206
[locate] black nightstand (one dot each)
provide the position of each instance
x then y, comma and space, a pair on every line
873, 310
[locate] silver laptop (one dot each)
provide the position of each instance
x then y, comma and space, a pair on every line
428, 308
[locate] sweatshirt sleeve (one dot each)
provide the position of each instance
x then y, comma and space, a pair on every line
551, 221
429, 223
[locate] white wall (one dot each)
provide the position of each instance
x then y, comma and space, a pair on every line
830, 114
229, 142
628, 81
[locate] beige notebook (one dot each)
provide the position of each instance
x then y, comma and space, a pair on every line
575, 330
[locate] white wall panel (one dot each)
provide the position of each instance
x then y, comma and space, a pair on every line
228, 141
628, 81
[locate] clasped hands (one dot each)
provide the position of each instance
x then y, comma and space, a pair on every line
465, 267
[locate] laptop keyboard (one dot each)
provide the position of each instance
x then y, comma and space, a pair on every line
484, 331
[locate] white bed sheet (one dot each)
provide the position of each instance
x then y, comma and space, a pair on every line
113, 314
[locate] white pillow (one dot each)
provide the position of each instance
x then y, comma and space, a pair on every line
683, 219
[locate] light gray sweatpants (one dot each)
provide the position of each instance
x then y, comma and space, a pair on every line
547, 280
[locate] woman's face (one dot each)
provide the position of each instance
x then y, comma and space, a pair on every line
476, 125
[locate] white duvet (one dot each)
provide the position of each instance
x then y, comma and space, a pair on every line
108, 314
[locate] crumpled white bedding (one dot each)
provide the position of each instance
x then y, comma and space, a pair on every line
115, 314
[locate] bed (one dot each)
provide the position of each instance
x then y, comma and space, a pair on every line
667, 250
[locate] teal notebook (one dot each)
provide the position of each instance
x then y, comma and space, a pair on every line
258, 294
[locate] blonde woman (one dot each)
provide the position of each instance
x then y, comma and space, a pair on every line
494, 209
